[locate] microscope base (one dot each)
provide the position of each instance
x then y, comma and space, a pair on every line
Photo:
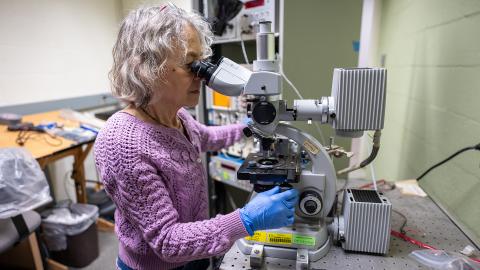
303, 256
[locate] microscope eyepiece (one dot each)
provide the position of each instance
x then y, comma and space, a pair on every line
203, 69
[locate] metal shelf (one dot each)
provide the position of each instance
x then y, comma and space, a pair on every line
234, 40
423, 216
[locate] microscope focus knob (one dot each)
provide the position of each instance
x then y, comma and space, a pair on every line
311, 206
310, 203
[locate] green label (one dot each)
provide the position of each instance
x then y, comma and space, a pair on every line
304, 240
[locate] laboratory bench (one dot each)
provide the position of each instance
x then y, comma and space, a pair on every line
425, 222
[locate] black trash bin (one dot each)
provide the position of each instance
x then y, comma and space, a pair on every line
70, 232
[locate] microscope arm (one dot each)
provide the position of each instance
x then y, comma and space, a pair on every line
321, 163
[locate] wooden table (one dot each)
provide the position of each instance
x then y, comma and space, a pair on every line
58, 148
47, 150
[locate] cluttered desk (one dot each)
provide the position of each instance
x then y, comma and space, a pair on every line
49, 137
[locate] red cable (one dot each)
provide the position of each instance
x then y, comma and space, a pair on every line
411, 240
419, 243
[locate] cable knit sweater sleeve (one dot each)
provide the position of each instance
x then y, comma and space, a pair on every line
144, 199
214, 138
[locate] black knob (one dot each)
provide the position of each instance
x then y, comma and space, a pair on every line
266, 143
264, 112
311, 207
310, 202
247, 132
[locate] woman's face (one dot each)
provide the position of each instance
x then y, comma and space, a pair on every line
179, 87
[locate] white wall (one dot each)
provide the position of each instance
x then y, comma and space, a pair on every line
128, 5
55, 49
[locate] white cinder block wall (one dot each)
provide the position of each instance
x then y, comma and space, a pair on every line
55, 49
431, 51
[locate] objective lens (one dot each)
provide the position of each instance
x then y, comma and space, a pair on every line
268, 161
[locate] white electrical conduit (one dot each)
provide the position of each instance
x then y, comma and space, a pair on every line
244, 51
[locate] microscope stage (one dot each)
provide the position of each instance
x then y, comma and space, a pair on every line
269, 170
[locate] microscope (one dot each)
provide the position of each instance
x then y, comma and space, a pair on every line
291, 158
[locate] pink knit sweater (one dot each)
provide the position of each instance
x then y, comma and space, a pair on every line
157, 180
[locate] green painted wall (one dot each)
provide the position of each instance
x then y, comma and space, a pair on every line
319, 36
431, 49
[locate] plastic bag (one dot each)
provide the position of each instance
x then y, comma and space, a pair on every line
443, 260
66, 219
23, 185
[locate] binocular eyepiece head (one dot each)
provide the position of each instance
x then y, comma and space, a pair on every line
203, 69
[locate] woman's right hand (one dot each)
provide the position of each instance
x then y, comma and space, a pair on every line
269, 210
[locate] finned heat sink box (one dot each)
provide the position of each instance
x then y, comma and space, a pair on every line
365, 221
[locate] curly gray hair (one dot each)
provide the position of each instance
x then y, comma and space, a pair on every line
148, 36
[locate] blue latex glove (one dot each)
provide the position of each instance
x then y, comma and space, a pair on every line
269, 210
246, 120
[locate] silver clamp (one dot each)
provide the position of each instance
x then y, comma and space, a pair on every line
256, 256
302, 259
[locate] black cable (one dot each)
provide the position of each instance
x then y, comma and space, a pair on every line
226, 11
23, 136
370, 158
404, 223
475, 147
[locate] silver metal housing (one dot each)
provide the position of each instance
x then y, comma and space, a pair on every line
359, 100
229, 78
364, 225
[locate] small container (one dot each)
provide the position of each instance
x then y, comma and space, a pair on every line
82, 249
70, 233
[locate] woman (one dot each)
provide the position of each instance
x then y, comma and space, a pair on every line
148, 155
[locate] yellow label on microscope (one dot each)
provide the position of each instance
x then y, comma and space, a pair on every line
258, 237
281, 238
